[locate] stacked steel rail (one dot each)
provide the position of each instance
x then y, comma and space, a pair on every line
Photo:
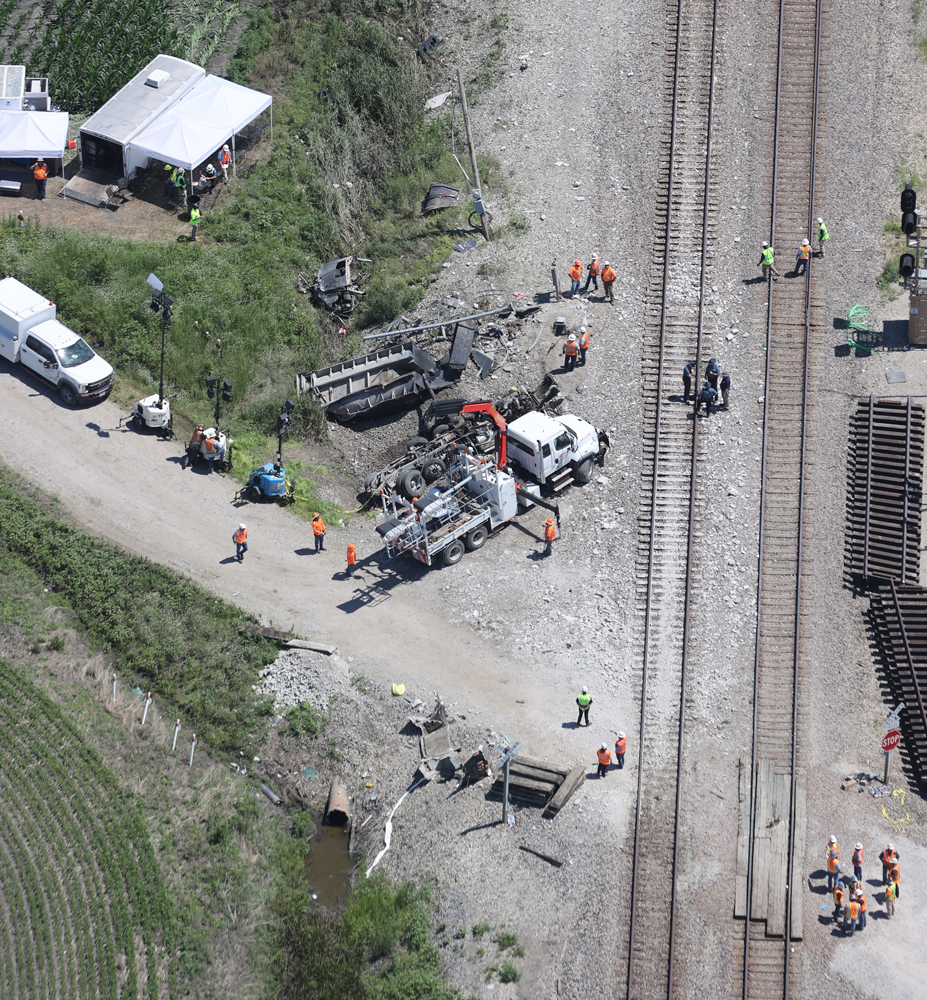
669, 503
767, 972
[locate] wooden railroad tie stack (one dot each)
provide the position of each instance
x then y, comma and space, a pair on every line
534, 782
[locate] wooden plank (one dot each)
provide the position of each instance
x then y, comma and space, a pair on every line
798, 856
743, 832
760, 887
762, 792
268, 633
566, 790
556, 862
537, 773
517, 781
541, 765
778, 849
318, 647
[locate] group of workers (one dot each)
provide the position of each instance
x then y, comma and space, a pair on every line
205, 443
850, 902
716, 386
603, 754
767, 259
175, 185
574, 346
605, 271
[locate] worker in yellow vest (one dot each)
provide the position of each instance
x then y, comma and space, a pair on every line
823, 237
40, 173
605, 758
584, 700
195, 219
890, 895
767, 262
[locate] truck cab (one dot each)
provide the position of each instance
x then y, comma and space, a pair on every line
544, 446
32, 336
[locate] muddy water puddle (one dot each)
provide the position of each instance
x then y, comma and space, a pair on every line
328, 866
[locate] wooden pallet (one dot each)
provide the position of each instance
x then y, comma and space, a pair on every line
535, 782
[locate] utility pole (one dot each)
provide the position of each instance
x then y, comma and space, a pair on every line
477, 190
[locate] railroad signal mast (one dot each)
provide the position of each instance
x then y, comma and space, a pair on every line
911, 265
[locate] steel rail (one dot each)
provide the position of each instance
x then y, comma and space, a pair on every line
691, 509
801, 493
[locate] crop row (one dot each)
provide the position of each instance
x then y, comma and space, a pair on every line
80, 808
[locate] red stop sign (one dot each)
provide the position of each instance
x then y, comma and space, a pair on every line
890, 740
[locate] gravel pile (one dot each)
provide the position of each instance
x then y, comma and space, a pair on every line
299, 675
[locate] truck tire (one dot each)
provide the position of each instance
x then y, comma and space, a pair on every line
67, 394
411, 483
439, 430
254, 492
416, 444
433, 469
583, 471
454, 553
476, 539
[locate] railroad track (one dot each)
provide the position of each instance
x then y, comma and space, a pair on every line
772, 915
684, 244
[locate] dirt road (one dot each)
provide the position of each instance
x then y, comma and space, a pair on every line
130, 488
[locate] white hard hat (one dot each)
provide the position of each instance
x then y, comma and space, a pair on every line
820, 222
241, 527
833, 839
582, 329
621, 736
595, 256
891, 847
209, 166
765, 244
572, 337
585, 691
804, 243
604, 746
857, 847
226, 146
607, 264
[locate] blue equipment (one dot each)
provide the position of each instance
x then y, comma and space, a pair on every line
268, 481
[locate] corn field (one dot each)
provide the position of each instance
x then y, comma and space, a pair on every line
78, 875
88, 49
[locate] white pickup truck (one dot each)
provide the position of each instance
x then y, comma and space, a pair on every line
31, 336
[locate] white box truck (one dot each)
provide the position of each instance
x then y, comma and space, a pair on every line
30, 335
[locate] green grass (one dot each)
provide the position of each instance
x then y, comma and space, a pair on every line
168, 634
379, 948
479, 930
303, 720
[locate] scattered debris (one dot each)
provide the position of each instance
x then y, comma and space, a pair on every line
429, 46
464, 246
534, 782
334, 288
271, 795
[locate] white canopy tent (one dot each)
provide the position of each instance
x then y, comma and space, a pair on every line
201, 122
30, 134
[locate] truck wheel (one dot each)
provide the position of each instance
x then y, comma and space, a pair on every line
411, 483
432, 469
67, 394
477, 538
417, 443
439, 430
454, 553
583, 471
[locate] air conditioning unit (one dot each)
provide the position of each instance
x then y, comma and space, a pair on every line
157, 77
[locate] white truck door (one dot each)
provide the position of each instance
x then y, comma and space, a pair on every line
563, 448
34, 354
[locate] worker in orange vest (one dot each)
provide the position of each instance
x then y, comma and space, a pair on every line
851, 915
858, 861
838, 900
240, 538
318, 529
583, 344
833, 859
593, 274
605, 758
576, 275
193, 448
888, 857
621, 744
352, 559
569, 353
894, 875
608, 277
804, 255
863, 906
40, 173
214, 450
225, 159
550, 534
